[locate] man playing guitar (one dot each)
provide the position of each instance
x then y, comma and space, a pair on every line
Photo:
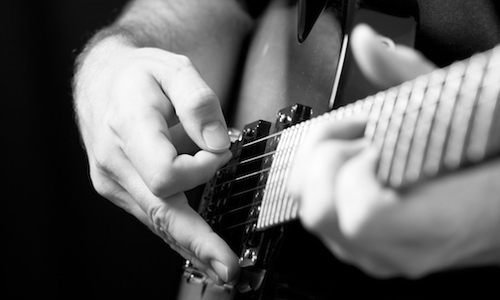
153, 89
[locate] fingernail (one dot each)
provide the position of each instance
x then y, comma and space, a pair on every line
387, 43
214, 277
215, 136
221, 270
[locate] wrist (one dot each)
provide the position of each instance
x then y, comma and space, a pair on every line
90, 67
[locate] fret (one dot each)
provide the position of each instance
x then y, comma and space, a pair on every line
389, 147
264, 208
403, 147
393, 148
274, 204
382, 140
442, 120
293, 207
423, 127
494, 137
418, 94
282, 166
269, 199
295, 132
411, 114
467, 98
484, 116
374, 115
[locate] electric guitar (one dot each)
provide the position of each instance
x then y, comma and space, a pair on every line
438, 123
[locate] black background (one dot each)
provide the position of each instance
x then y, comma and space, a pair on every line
59, 238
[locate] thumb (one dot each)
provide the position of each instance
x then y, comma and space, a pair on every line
384, 63
196, 105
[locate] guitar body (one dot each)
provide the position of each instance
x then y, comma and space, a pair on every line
285, 261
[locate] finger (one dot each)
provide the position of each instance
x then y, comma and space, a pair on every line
383, 62
146, 141
366, 214
180, 226
178, 223
196, 105
318, 190
146, 207
320, 132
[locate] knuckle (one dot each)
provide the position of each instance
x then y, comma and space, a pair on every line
313, 218
101, 183
182, 63
157, 214
162, 184
202, 101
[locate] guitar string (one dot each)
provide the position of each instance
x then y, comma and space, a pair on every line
259, 188
422, 107
247, 222
248, 160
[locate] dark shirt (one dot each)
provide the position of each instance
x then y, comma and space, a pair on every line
450, 30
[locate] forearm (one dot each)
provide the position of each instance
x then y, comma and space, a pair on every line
209, 32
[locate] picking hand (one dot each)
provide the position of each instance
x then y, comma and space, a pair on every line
141, 111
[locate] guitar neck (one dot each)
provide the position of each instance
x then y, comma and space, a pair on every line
437, 123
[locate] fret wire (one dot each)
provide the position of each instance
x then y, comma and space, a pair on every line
413, 95
373, 115
422, 129
300, 137
284, 177
393, 131
282, 168
441, 124
268, 198
406, 135
384, 117
388, 148
412, 112
274, 178
402, 151
267, 201
279, 165
494, 137
461, 123
380, 135
484, 114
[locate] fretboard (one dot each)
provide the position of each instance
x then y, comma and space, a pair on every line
437, 123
